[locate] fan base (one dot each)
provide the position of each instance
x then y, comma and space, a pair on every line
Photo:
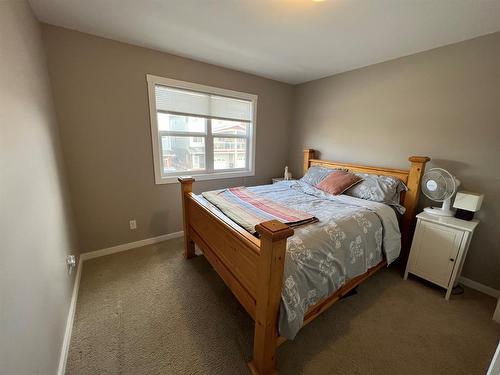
438, 211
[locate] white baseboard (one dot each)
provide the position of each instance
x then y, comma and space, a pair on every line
495, 363
480, 287
130, 245
69, 321
89, 255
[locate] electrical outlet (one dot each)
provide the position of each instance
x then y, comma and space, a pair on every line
71, 263
133, 224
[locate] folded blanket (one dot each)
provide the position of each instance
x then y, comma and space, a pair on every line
249, 209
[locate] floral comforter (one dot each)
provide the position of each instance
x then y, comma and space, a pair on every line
352, 235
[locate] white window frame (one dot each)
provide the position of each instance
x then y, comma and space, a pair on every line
153, 80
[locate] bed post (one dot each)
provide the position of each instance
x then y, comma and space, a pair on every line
309, 154
417, 169
186, 189
271, 263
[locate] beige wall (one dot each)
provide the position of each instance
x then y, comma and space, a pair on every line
444, 103
35, 220
102, 104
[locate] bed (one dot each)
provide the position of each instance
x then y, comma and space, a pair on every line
265, 281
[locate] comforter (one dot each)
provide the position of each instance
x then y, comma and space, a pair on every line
351, 236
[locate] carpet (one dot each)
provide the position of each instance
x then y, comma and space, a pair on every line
149, 311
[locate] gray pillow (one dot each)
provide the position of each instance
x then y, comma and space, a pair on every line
384, 189
316, 174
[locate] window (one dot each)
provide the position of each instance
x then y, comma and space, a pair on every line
201, 131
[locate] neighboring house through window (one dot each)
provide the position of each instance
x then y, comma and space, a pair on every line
200, 130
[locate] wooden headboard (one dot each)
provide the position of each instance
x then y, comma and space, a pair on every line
410, 177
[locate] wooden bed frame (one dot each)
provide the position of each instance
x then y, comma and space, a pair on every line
253, 268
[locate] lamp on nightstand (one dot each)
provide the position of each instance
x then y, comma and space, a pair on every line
467, 203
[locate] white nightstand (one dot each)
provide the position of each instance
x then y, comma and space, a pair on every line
439, 248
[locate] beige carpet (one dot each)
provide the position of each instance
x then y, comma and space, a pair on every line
149, 311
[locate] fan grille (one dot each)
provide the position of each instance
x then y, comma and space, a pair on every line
438, 184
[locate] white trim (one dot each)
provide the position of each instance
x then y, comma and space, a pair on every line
495, 363
206, 176
129, 245
63, 358
152, 80
480, 287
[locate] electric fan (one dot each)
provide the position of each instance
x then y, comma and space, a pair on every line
440, 185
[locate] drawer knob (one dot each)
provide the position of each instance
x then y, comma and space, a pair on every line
452, 260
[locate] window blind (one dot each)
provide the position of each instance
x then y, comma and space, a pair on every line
179, 101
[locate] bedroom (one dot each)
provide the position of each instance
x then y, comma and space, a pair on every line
85, 173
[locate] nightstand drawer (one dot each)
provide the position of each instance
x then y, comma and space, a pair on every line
434, 252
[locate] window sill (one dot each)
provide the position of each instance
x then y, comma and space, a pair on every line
204, 177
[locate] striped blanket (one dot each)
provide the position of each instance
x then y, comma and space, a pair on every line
249, 209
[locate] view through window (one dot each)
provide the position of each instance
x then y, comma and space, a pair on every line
200, 131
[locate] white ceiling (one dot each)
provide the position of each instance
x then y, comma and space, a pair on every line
288, 40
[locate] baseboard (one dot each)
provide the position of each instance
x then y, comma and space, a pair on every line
63, 358
69, 321
480, 287
495, 363
129, 246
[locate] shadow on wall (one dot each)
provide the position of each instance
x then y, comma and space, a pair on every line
456, 168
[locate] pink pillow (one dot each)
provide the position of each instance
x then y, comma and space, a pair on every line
338, 182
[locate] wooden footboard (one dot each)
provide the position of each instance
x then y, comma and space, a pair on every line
253, 268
